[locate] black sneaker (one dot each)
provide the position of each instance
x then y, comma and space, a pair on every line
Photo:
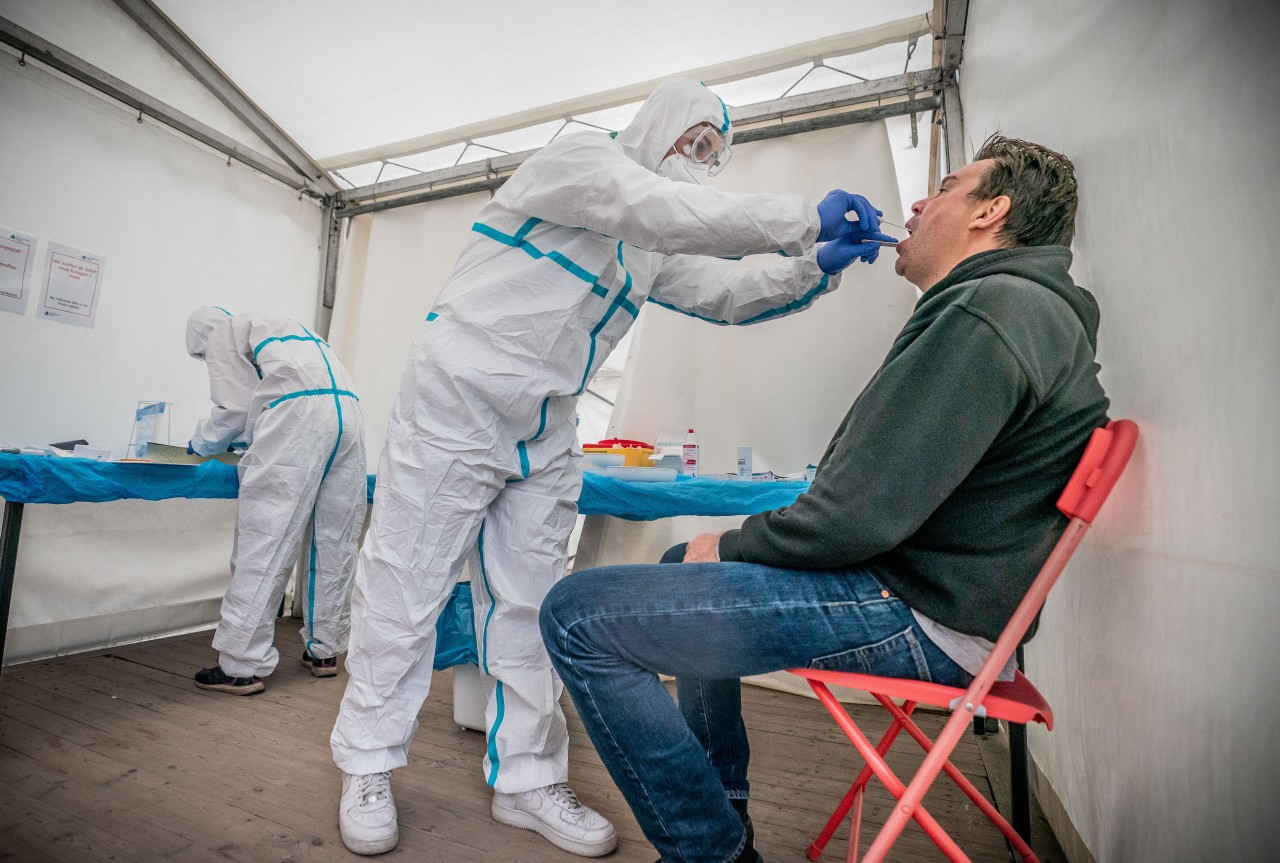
216, 679
320, 667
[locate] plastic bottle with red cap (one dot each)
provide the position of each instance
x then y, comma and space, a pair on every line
689, 460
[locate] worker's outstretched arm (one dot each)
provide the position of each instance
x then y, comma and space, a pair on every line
746, 291
586, 181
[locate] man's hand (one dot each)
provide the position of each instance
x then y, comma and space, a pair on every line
704, 548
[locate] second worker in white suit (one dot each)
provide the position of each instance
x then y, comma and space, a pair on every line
481, 453
280, 389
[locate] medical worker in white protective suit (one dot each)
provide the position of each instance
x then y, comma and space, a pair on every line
481, 454
281, 390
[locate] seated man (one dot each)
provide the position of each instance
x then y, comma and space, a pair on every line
932, 510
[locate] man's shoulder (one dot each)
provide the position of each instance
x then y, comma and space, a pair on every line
1013, 297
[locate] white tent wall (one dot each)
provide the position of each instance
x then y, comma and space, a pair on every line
1158, 648
178, 228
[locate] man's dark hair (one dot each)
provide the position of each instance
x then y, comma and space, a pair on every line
1041, 186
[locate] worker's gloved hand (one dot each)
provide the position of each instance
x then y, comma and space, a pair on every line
838, 254
190, 451
833, 208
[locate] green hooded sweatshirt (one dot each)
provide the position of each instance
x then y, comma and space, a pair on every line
944, 475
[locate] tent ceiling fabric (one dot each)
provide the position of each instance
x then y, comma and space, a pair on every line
340, 78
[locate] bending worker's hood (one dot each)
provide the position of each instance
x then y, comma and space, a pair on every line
199, 325
673, 107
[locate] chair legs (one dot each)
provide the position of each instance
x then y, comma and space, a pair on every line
855, 790
993, 815
889, 780
855, 828
935, 762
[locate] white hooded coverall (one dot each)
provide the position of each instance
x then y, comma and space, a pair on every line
481, 452
281, 389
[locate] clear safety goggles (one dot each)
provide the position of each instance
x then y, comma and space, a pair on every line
709, 150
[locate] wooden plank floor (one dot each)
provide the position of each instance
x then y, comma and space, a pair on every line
118, 757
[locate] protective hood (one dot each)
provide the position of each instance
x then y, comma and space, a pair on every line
199, 325
673, 107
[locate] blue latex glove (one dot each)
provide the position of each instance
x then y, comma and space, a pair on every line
838, 254
833, 208
190, 451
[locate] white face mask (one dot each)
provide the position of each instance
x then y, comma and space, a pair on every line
682, 169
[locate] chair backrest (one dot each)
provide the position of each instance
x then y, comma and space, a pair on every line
1103, 461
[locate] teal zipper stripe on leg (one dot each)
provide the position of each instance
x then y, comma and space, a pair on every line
499, 696
311, 584
337, 406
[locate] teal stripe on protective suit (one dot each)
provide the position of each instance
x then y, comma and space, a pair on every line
431, 316
224, 311
300, 393
337, 406
518, 242
794, 304
306, 338
499, 695
523, 452
311, 584
619, 302
724, 127
780, 310
522, 449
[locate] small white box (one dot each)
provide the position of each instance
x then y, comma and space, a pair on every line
469, 700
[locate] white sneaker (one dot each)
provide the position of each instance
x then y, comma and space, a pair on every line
555, 813
367, 813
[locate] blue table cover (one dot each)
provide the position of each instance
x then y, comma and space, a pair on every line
49, 479
46, 479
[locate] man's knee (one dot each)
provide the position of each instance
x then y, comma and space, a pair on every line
558, 608
675, 554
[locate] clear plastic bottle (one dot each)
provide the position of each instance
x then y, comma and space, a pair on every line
689, 452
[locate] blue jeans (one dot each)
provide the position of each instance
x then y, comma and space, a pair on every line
611, 631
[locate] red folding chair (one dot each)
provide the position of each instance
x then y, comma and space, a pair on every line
1016, 701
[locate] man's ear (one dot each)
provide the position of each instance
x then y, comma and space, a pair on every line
991, 216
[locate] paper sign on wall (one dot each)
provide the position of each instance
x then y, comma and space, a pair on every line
72, 283
15, 266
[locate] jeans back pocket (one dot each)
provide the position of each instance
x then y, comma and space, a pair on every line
899, 655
